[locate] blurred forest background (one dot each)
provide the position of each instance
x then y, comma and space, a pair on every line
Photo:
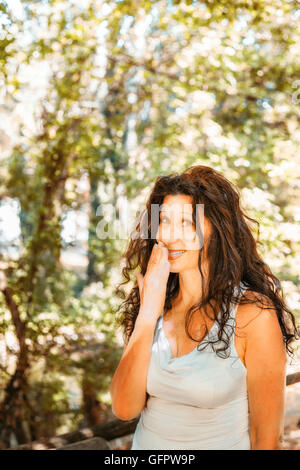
97, 100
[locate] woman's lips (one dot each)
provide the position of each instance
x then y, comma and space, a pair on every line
175, 254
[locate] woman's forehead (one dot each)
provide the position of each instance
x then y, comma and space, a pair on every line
180, 203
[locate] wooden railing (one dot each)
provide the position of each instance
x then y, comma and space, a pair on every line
108, 431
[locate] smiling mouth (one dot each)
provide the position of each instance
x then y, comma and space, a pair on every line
175, 254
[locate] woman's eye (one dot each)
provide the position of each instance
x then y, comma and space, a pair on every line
163, 219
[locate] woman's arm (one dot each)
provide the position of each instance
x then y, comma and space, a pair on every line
128, 386
265, 359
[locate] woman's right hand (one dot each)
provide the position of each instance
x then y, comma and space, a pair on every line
153, 286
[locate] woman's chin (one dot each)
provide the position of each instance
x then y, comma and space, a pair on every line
175, 267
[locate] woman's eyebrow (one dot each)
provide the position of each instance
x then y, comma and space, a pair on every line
186, 213
183, 212
165, 206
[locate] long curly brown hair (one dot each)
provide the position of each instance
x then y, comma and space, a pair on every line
231, 252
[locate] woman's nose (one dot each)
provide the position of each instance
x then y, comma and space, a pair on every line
171, 233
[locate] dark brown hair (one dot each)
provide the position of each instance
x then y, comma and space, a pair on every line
231, 252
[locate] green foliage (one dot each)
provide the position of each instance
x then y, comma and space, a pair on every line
200, 82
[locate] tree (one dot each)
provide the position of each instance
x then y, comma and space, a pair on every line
131, 90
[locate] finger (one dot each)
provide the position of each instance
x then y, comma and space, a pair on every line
164, 250
154, 249
162, 244
155, 253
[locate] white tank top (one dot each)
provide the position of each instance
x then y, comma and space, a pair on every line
196, 401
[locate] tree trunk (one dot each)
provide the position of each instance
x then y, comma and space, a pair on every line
14, 404
91, 404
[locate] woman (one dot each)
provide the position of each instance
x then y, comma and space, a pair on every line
206, 328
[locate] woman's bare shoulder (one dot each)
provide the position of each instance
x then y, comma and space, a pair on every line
263, 338
255, 308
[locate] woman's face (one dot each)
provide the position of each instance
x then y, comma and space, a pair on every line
178, 232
